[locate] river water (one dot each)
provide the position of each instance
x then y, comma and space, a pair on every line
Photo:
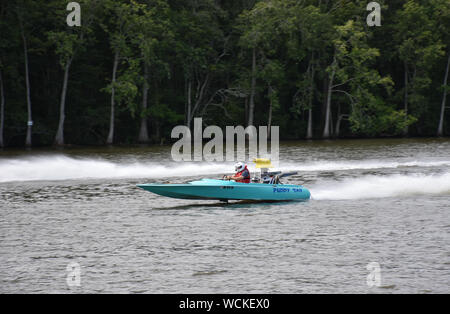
384, 203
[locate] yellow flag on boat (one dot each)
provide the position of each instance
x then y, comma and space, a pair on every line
262, 163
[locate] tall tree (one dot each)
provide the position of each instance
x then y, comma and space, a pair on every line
419, 47
312, 34
2, 108
8, 45
154, 37
272, 74
442, 17
351, 73
440, 131
200, 45
2, 91
22, 10
251, 108
261, 28
122, 16
69, 40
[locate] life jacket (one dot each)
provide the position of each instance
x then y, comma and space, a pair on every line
239, 174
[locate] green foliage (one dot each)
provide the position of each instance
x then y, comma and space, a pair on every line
164, 113
67, 41
375, 118
420, 45
165, 47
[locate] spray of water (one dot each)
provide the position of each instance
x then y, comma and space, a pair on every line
67, 168
375, 186
360, 165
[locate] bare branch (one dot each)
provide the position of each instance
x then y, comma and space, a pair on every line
352, 98
352, 79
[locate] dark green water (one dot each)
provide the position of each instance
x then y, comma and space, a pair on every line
382, 201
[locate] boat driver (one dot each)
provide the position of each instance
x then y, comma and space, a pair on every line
242, 173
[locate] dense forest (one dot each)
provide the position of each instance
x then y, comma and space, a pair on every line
135, 69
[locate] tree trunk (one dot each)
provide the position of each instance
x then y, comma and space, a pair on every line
157, 127
246, 108
143, 133
440, 131
59, 139
189, 104
2, 110
269, 120
110, 138
406, 130
326, 129
309, 133
331, 122
338, 125
338, 121
251, 106
340, 117
28, 141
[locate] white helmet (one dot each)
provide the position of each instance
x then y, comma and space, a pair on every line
239, 166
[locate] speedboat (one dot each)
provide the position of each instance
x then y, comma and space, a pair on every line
210, 189
267, 187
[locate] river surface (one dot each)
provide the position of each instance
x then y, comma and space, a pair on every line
379, 222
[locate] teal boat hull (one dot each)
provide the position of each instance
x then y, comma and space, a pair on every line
208, 189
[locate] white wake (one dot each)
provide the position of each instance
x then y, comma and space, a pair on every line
66, 168
377, 186
61, 167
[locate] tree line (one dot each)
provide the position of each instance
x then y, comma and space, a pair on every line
135, 69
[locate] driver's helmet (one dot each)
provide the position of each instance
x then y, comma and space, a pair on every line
239, 167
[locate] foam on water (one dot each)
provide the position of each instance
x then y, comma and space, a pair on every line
377, 186
374, 186
62, 167
67, 168
360, 164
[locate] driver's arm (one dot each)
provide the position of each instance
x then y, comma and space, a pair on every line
234, 177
